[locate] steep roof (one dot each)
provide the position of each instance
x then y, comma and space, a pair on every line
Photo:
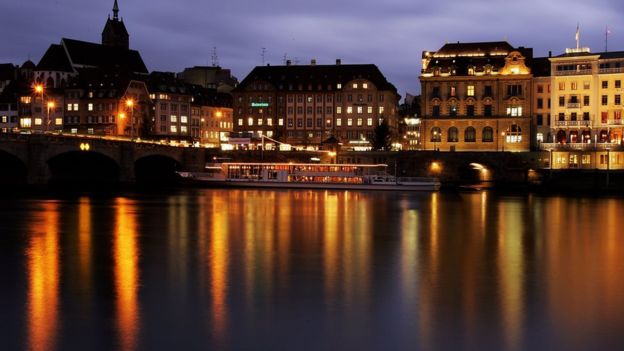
283, 76
55, 59
7, 71
87, 54
104, 83
486, 48
166, 82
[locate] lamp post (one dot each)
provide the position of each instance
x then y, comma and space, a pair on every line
219, 114
39, 90
201, 130
435, 140
130, 105
503, 140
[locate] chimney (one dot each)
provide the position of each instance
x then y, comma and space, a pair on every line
313, 62
288, 62
550, 54
338, 62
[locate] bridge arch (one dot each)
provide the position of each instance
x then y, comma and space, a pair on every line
476, 172
14, 170
83, 168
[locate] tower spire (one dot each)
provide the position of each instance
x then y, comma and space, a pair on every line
116, 11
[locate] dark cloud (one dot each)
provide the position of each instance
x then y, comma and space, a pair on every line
172, 35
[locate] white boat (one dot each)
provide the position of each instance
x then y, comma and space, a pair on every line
307, 176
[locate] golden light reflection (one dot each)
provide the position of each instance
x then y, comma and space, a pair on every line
84, 242
331, 257
219, 260
43, 279
511, 272
126, 272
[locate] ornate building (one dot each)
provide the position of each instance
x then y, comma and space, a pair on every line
304, 105
476, 97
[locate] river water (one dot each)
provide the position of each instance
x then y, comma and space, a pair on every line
311, 270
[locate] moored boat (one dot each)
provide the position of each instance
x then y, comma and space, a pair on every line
306, 176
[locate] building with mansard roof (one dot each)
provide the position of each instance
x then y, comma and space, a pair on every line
303, 105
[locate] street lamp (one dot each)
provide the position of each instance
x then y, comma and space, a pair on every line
435, 139
130, 105
503, 140
39, 90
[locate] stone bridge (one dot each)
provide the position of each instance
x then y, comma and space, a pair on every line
38, 158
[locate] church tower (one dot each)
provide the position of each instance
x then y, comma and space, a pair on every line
115, 33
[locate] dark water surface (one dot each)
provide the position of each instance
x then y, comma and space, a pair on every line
311, 270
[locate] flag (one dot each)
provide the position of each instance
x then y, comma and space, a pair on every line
577, 36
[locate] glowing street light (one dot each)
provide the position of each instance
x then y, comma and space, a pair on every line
130, 105
51, 105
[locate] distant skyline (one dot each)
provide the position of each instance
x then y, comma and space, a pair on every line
391, 34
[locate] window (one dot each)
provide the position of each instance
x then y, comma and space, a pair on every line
453, 92
540, 120
369, 109
561, 86
360, 110
183, 129
349, 109
540, 89
435, 92
562, 116
338, 109
349, 98
90, 107
452, 135
470, 110
359, 122
339, 122
617, 115
280, 122
338, 86
174, 119
183, 119
75, 107
540, 103
487, 110
365, 85
250, 121
573, 116
604, 117
355, 86
586, 100
174, 129
513, 134
436, 111
240, 121
381, 110
605, 84
562, 101
487, 91
70, 107
349, 122
369, 122
470, 135
605, 100
26, 123
585, 116
618, 84
618, 99
259, 121
436, 135
514, 111
38, 121
573, 85
270, 121
488, 135
540, 137
453, 110
470, 91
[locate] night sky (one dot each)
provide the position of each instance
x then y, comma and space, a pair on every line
175, 34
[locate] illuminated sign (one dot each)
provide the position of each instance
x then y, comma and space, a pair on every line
259, 104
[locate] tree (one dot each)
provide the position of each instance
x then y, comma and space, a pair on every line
382, 138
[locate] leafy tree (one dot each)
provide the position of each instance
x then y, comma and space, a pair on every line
382, 138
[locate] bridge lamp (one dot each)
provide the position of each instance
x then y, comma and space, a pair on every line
51, 105
85, 146
219, 114
39, 88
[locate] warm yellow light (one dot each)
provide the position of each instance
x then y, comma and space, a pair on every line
332, 154
122, 115
51, 104
219, 114
436, 167
85, 146
39, 88
130, 103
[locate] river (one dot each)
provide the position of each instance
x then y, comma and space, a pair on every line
311, 270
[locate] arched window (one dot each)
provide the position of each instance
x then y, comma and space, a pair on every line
574, 137
513, 134
604, 136
488, 135
436, 135
561, 137
470, 135
453, 135
586, 136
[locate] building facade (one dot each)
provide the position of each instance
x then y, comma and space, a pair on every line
171, 107
476, 97
303, 105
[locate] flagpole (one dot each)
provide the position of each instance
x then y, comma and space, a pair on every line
607, 39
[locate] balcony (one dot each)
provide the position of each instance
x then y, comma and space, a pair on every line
582, 123
580, 146
574, 73
574, 105
612, 70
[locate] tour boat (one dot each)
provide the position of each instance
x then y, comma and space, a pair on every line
306, 176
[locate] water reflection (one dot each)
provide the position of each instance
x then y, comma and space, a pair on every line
126, 270
43, 278
313, 270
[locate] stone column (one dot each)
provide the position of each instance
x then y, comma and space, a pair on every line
126, 163
37, 161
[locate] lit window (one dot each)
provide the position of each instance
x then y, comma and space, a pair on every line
70, 107
369, 122
38, 121
349, 122
74, 130
360, 109
270, 121
355, 86
174, 119
338, 122
338, 86
90, 107
26, 123
259, 121
184, 119
381, 109
280, 122
349, 109
270, 133
240, 121
338, 109
75, 107
470, 90
5, 119
59, 121
365, 85
174, 129
359, 122
250, 121
183, 129
540, 137
370, 109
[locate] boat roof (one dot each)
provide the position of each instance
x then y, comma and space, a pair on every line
303, 164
